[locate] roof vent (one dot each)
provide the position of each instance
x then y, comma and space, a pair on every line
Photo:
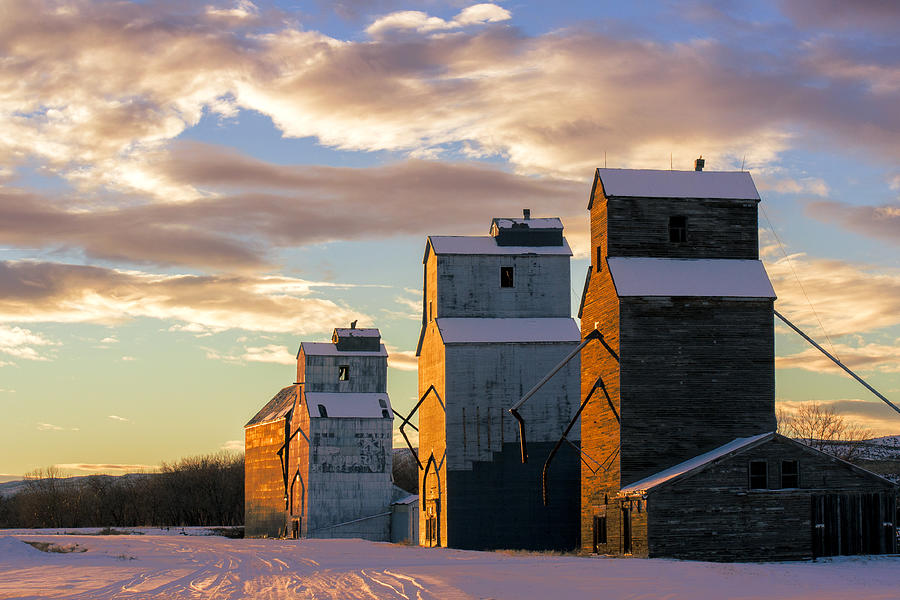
526, 212
699, 163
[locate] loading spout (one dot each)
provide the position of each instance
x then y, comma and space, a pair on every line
514, 410
837, 362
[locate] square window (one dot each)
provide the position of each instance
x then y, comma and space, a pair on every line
790, 474
759, 475
344, 373
507, 275
678, 229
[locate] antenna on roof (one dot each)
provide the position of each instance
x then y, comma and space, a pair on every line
604, 159
670, 161
742, 162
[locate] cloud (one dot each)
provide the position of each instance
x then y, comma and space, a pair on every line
53, 292
411, 433
78, 105
477, 14
23, 343
233, 445
849, 298
51, 427
286, 206
402, 360
119, 419
128, 358
270, 353
883, 15
882, 222
5, 391
873, 414
864, 357
115, 469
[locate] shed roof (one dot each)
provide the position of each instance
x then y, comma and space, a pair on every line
407, 500
485, 244
693, 464
649, 183
277, 408
344, 405
487, 331
356, 332
690, 277
330, 349
537, 223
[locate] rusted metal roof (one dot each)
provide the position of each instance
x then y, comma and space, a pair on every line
277, 408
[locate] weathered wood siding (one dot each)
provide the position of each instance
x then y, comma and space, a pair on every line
264, 514
714, 516
599, 428
320, 373
715, 228
432, 427
696, 373
469, 286
349, 478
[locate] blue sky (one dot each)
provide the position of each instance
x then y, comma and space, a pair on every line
187, 191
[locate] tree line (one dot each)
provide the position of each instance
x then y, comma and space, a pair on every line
201, 491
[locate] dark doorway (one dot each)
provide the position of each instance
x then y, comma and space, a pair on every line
626, 531
295, 529
599, 533
845, 524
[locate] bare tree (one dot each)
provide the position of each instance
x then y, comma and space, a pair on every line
820, 427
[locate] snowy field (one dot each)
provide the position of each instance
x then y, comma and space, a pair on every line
161, 565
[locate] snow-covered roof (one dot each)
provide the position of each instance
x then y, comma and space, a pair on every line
690, 465
541, 223
476, 244
348, 405
330, 349
277, 408
648, 183
474, 330
354, 332
407, 500
690, 277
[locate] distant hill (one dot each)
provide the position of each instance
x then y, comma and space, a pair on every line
11, 488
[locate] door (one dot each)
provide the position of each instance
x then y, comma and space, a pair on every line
626, 531
846, 524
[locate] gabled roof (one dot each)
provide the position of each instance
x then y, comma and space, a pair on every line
700, 463
486, 245
330, 349
348, 405
480, 330
634, 276
649, 183
277, 408
694, 464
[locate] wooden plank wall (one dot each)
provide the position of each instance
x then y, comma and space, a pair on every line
264, 511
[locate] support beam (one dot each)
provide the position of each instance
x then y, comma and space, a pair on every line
837, 362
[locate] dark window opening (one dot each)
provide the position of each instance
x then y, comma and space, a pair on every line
382, 403
322, 411
344, 373
599, 532
507, 277
385, 414
759, 475
678, 229
790, 474
430, 310
599, 259
626, 531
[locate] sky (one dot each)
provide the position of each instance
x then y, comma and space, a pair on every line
188, 190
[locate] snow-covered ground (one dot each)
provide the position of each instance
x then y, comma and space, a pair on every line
178, 566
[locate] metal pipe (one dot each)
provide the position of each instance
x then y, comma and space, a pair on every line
514, 410
406, 422
561, 440
837, 362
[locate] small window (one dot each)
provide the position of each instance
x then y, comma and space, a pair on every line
507, 277
322, 411
344, 373
759, 475
385, 414
382, 403
599, 259
790, 474
678, 229
431, 310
